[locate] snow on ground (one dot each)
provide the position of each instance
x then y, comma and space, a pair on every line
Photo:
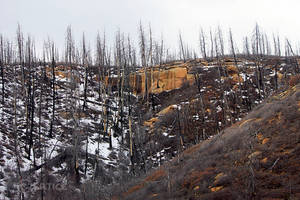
2, 190
206, 67
219, 108
165, 134
244, 76
101, 147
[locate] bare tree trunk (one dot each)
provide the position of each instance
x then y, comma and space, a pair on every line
143, 58
32, 105
150, 57
225, 108
53, 65
202, 44
2, 67
40, 145
221, 41
258, 70
16, 141
246, 47
85, 64
211, 44
75, 114
198, 82
182, 47
237, 67
289, 46
180, 134
130, 140
20, 41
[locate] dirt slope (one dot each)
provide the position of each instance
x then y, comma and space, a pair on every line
256, 158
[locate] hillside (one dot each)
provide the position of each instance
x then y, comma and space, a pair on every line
96, 107
255, 158
81, 129
220, 93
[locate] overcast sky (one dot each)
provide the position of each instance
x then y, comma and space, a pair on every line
43, 18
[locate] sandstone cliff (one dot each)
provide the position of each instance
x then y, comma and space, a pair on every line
159, 80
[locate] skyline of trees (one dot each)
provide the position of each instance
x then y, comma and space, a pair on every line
207, 44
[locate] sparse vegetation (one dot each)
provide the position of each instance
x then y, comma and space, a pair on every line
141, 122
241, 163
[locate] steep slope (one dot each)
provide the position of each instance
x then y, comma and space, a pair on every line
256, 158
220, 94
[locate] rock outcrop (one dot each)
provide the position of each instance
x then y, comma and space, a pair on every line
159, 80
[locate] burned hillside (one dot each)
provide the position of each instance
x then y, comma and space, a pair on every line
83, 120
255, 158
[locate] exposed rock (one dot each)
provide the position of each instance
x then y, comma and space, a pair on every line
159, 80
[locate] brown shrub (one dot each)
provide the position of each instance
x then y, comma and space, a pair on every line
156, 175
152, 177
196, 176
134, 189
294, 80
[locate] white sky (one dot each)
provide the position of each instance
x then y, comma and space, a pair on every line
43, 18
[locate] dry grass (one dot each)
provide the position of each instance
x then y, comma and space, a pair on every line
156, 175
195, 177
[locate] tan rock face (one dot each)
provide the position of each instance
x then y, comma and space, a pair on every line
159, 80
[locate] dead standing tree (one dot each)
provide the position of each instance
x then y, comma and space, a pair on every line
211, 44
53, 65
276, 44
220, 40
290, 51
85, 64
150, 59
246, 48
2, 64
181, 48
256, 46
103, 64
20, 46
30, 64
122, 57
144, 59
202, 44
233, 52
16, 146
222, 71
